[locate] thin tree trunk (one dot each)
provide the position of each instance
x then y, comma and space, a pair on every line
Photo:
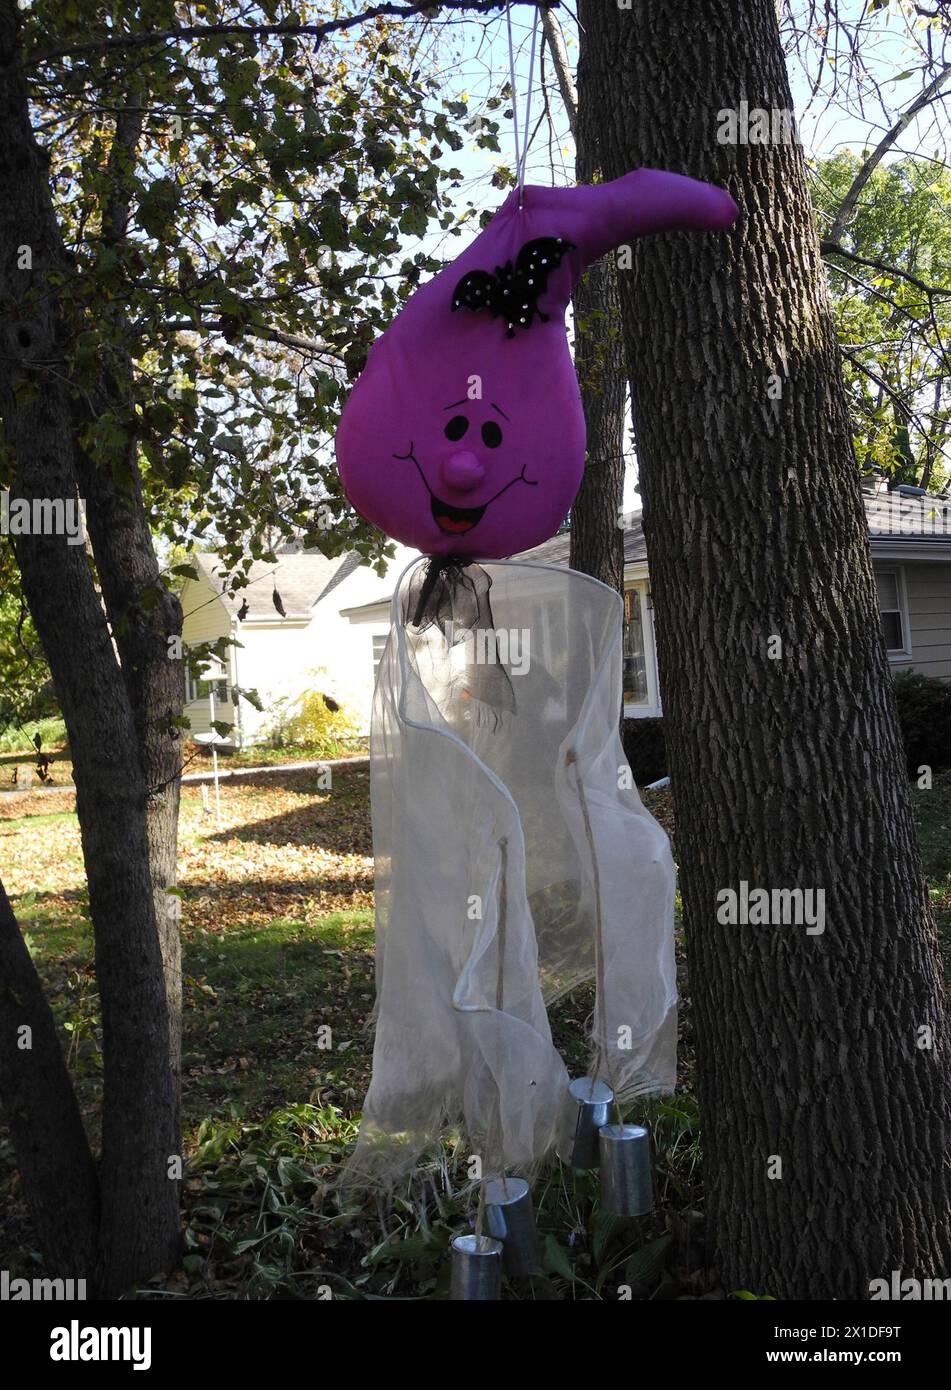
127, 569
787, 772
139, 1231
143, 614
40, 1107
597, 536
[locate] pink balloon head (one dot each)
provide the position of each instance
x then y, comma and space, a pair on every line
465, 434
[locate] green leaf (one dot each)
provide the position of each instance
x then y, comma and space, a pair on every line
606, 1228
157, 206
646, 1264
555, 1258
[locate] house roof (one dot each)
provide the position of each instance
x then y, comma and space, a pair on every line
301, 578
366, 609
917, 522
907, 514
555, 551
343, 571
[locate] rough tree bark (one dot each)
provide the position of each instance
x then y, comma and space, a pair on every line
128, 571
597, 538
138, 1231
787, 772
40, 1107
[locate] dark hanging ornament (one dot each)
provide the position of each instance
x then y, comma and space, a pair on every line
512, 292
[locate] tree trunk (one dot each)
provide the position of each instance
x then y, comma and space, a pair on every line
597, 536
40, 1107
127, 568
787, 772
143, 614
139, 1232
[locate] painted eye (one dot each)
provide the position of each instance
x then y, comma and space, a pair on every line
457, 427
491, 435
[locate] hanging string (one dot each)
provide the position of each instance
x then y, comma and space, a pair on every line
528, 111
521, 147
518, 157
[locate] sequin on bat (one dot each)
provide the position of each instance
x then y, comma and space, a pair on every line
512, 292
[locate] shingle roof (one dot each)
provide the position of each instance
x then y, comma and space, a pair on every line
301, 579
898, 515
555, 551
350, 563
891, 516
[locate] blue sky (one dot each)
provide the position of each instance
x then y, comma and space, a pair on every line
475, 59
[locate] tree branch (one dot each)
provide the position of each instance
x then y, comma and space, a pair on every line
270, 335
179, 33
923, 99
834, 248
559, 57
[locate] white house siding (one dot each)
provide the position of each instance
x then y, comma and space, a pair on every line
281, 659
350, 637
927, 591
206, 620
274, 659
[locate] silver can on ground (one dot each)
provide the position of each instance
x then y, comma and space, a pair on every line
593, 1100
510, 1218
627, 1175
476, 1274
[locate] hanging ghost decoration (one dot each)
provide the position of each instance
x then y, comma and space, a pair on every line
465, 434
514, 858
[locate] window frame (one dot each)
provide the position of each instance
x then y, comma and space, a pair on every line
193, 687
640, 586
898, 573
376, 658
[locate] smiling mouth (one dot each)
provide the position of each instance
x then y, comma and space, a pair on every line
454, 521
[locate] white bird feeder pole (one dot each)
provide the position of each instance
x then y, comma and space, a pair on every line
213, 738
214, 753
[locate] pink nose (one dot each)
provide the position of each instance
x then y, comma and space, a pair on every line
463, 472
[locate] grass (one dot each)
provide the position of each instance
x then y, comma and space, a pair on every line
19, 742
196, 758
277, 947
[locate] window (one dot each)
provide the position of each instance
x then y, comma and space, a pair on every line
379, 643
892, 608
199, 690
635, 653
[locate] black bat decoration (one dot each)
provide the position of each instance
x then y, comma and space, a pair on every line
512, 292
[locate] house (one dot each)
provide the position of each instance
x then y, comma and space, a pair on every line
337, 614
329, 636
910, 534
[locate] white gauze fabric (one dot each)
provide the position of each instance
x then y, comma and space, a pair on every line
514, 860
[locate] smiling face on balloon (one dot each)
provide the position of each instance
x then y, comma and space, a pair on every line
465, 434
469, 465
467, 478
478, 477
